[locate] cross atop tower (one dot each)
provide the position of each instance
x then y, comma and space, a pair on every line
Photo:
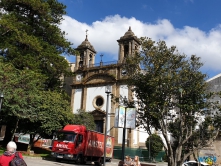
86, 35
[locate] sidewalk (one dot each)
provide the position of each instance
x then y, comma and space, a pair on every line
115, 162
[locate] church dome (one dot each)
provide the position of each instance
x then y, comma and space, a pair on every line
86, 44
128, 36
129, 33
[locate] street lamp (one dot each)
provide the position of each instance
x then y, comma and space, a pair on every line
101, 63
108, 91
149, 147
1, 99
124, 128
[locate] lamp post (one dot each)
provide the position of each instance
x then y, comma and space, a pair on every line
108, 91
124, 129
149, 148
1, 99
101, 63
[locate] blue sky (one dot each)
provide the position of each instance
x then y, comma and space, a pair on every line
194, 26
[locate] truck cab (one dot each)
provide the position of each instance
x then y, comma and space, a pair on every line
76, 143
68, 144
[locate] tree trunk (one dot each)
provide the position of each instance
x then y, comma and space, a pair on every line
15, 129
174, 161
29, 148
31, 143
8, 134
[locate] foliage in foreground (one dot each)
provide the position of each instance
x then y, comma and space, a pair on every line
172, 98
31, 38
154, 144
27, 108
31, 66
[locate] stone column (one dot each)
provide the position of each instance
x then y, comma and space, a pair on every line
84, 59
130, 48
84, 98
121, 52
112, 111
133, 48
77, 62
87, 58
92, 60
72, 100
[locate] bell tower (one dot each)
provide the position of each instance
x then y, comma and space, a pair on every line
87, 54
128, 45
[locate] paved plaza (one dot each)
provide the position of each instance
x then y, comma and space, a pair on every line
36, 161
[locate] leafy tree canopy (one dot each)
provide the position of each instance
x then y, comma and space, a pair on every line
85, 118
154, 144
20, 89
30, 37
172, 97
27, 106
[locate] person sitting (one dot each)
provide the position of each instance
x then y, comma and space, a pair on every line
127, 161
9, 154
136, 161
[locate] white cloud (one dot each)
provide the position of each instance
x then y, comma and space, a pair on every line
189, 40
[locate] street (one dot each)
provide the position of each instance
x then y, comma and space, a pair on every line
36, 161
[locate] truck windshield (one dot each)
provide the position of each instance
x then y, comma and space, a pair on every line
64, 136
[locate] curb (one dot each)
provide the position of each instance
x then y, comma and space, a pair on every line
39, 158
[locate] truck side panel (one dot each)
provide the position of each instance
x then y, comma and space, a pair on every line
95, 145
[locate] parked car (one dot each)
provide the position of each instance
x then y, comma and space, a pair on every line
194, 163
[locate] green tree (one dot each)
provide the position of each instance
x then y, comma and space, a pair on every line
21, 89
52, 113
85, 118
154, 145
27, 108
30, 37
171, 96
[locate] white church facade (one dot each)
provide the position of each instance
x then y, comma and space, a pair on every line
87, 88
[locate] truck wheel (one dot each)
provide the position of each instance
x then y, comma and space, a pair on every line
97, 164
58, 160
83, 161
80, 160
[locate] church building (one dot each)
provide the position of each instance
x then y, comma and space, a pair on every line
88, 87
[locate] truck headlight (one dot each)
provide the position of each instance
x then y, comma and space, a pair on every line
70, 155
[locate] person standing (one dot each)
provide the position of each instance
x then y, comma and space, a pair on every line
127, 161
136, 161
9, 154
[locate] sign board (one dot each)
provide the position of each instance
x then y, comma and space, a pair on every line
116, 118
24, 138
130, 117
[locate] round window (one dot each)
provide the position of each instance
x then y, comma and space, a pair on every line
98, 102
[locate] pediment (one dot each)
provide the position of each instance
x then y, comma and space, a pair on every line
100, 78
98, 113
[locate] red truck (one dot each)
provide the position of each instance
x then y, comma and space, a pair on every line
76, 143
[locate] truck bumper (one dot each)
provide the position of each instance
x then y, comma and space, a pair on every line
63, 156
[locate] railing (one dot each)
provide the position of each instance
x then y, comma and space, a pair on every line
100, 64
